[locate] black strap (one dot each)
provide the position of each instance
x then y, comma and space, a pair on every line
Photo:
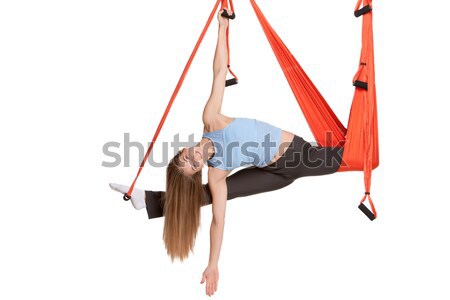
231, 81
363, 11
360, 84
366, 211
226, 15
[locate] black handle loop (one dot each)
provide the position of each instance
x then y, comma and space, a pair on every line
126, 197
363, 11
360, 84
229, 82
226, 15
366, 211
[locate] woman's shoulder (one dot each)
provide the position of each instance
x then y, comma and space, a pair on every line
218, 123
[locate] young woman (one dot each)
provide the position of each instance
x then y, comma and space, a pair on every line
275, 157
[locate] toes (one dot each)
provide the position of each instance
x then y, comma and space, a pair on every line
119, 188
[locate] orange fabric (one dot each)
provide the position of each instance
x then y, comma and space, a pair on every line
360, 139
324, 124
361, 147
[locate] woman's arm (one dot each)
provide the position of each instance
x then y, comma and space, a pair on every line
218, 187
219, 194
213, 106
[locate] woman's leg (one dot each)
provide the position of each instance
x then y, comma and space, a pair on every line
245, 182
299, 160
302, 159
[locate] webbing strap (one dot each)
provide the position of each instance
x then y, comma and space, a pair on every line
177, 88
365, 79
224, 5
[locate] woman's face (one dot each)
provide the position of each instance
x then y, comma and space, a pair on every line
191, 160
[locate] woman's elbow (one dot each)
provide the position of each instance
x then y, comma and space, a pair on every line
206, 118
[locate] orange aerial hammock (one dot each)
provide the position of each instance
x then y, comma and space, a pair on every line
359, 139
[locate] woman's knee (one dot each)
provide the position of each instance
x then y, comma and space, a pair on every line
322, 161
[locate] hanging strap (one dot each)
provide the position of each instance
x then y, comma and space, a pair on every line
364, 80
127, 196
234, 80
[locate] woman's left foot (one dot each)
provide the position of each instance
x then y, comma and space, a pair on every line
137, 198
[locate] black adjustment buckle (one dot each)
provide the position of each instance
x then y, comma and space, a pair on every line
366, 211
226, 15
363, 11
229, 82
361, 84
126, 197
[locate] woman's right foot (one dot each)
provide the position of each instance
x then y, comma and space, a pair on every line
137, 197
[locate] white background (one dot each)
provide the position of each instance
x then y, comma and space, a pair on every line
75, 75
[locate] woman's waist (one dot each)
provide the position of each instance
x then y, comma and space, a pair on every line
287, 139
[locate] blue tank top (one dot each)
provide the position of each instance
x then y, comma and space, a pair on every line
244, 142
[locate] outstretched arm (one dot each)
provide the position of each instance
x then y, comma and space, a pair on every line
219, 193
214, 104
218, 188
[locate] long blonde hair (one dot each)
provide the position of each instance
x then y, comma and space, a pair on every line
183, 200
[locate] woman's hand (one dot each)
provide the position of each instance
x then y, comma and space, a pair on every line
223, 21
211, 276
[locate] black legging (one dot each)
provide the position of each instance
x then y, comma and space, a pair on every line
300, 159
